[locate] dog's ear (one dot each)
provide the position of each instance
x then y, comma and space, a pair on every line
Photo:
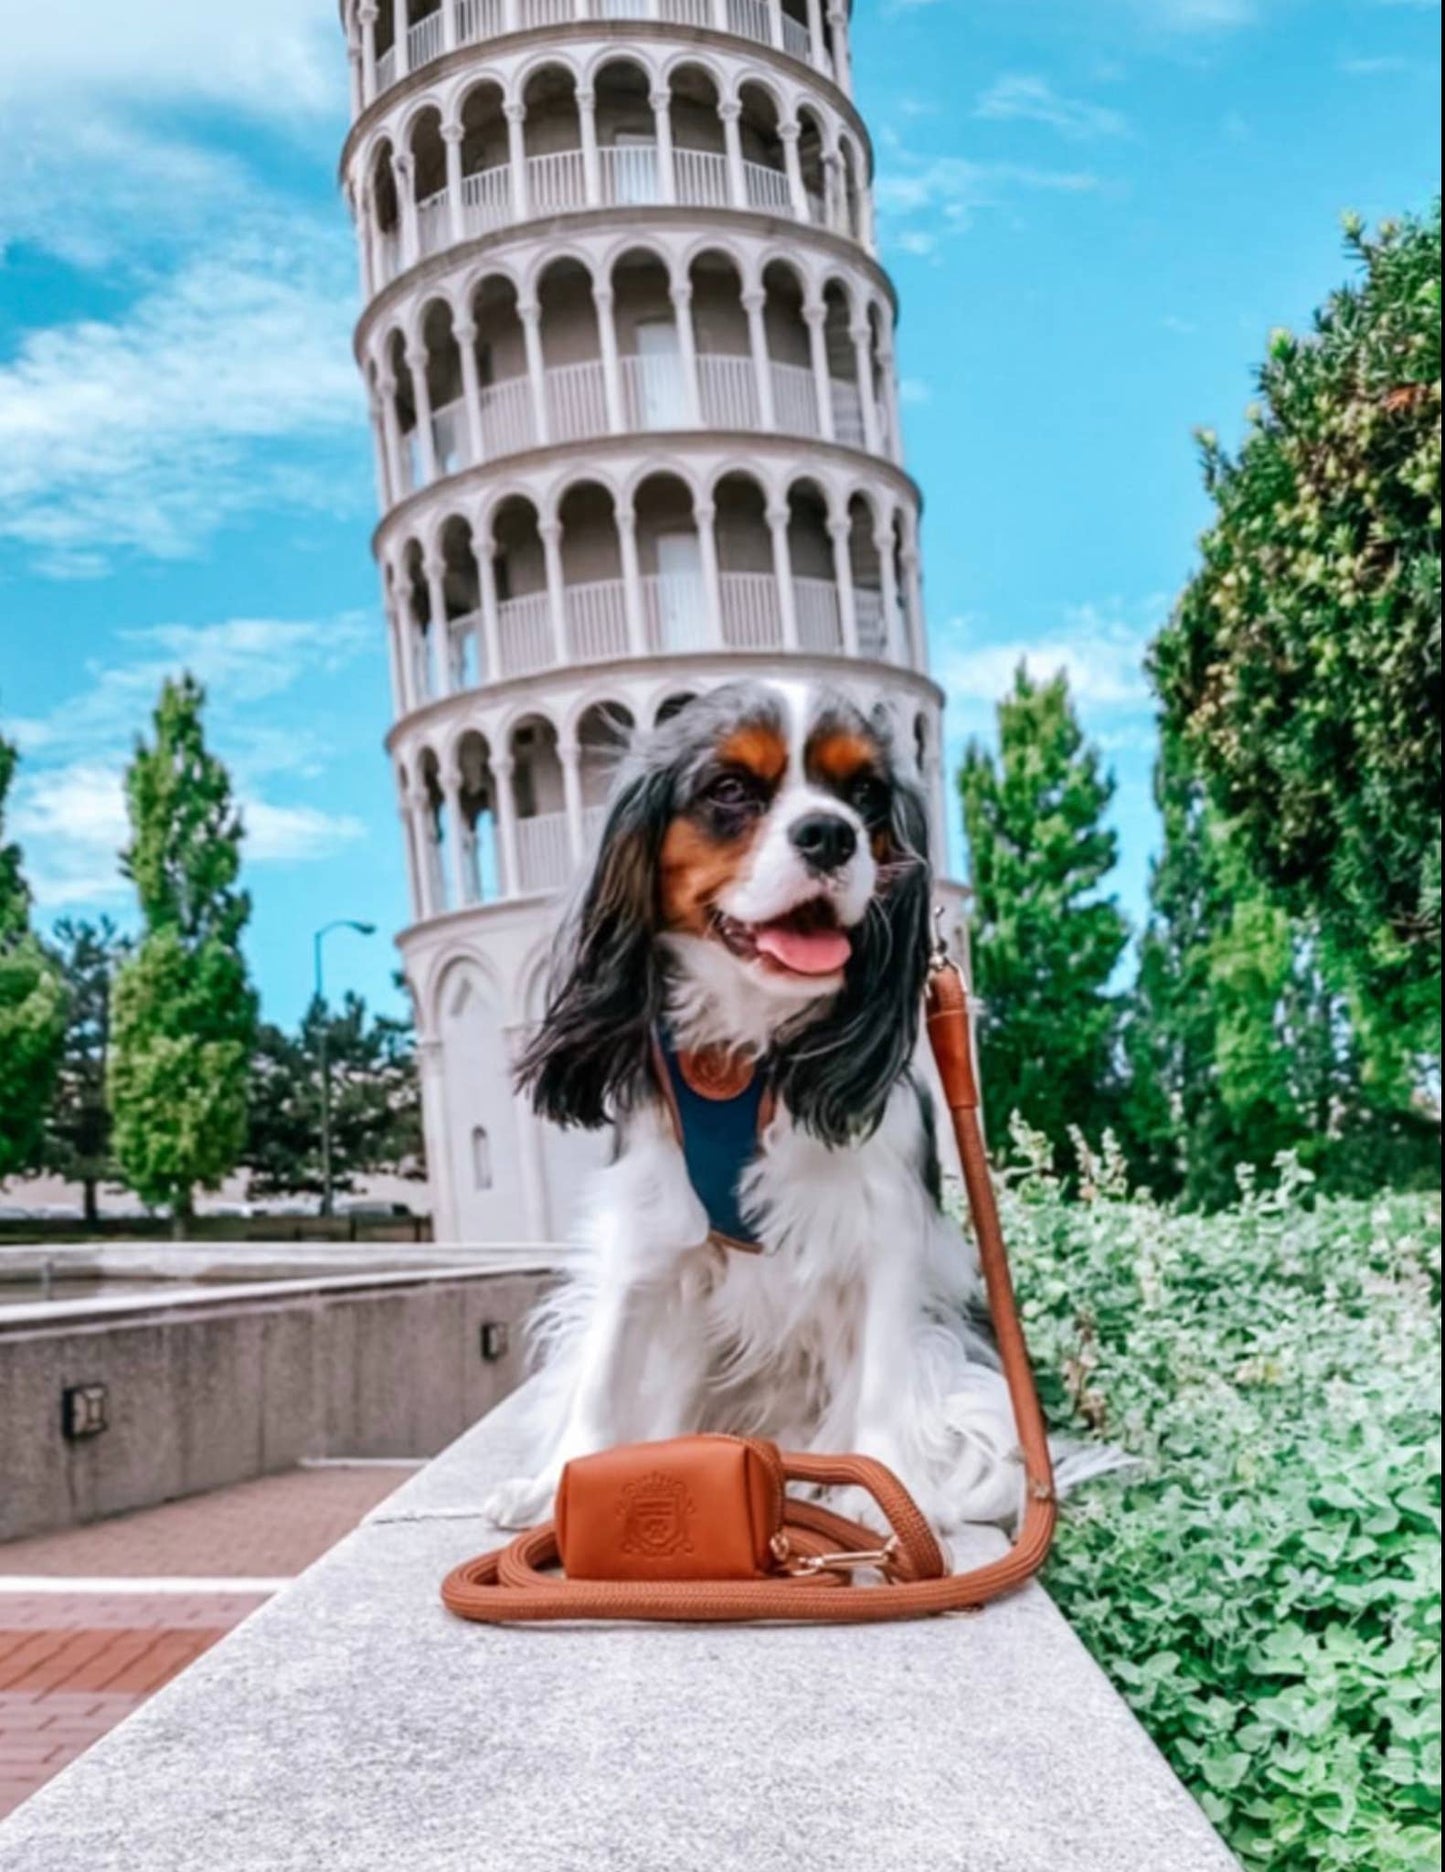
836, 1075
591, 1058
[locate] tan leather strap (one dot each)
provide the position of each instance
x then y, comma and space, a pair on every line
513, 1586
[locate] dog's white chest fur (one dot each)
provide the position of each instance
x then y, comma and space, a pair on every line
847, 1332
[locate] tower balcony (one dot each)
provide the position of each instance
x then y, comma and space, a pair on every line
657, 340
596, 131
395, 39
622, 561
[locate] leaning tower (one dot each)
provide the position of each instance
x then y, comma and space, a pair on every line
629, 355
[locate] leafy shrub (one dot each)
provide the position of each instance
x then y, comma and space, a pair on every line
1264, 1588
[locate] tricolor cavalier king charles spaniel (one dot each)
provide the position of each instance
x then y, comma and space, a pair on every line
738, 991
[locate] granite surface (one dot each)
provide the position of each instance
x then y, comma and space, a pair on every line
352, 1724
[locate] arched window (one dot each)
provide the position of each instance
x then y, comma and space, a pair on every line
481, 1160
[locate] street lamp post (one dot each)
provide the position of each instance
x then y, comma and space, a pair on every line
361, 929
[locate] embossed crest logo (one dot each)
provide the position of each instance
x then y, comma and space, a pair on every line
656, 1513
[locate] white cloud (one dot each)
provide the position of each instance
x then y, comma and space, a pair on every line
271, 56
69, 805
291, 834
73, 826
1022, 97
148, 432
1101, 653
241, 662
948, 191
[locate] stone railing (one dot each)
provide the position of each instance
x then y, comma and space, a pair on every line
351, 1722
475, 21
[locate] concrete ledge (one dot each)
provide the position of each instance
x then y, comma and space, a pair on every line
352, 1725
206, 1386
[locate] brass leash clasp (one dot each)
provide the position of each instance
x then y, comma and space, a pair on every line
808, 1566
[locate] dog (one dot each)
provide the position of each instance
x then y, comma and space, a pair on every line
738, 992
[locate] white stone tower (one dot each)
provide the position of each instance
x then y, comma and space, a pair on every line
630, 360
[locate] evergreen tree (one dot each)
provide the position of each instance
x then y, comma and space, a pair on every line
184, 1019
1240, 1041
32, 1008
77, 1143
1045, 941
1303, 663
375, 1102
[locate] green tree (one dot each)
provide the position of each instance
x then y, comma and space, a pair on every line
1046, 942
77, 1144
1240, 1041
1302, 666
375, 1102
184, 1015
32, 1008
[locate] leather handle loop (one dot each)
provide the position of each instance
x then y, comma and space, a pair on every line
514, 1587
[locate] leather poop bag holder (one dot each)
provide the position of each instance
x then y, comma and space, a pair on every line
703, 1530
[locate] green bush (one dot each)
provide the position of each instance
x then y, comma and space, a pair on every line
1264, 1588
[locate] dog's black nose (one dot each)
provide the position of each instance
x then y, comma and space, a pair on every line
824, 841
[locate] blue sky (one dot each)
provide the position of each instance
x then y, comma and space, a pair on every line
1096, 210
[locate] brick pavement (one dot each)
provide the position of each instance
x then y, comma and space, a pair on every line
74, 1664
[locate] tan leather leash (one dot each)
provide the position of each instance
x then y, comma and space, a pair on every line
818, 1550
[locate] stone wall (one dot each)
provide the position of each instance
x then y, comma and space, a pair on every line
208, 1390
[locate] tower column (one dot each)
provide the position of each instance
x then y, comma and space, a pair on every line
400, 29
704, 514
416, 361
815, 315
755, 304
368, 15
817, 43
913, 587
424, 830
451, 782
889, 368
465, 333
569, 752
409, 846
886, 546
443, 659
791, 133
530, 313
631, 579
452, 136
731, 113
591, 162
485, 551
840, 531
842, 56
504, 772
391, 430
517, 156
779, 519
551, 532
605, 301
687, 350
862, 337
661, 101
405, 172
395, 661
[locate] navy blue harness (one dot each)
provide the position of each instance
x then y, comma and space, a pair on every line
719, 1140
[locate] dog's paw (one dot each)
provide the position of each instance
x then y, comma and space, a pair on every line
521, 1503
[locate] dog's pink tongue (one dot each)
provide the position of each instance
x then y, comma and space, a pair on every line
818, 952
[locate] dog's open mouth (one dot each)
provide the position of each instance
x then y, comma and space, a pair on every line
807, 941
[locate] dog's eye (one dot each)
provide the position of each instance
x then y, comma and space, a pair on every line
868, 796
735, 793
